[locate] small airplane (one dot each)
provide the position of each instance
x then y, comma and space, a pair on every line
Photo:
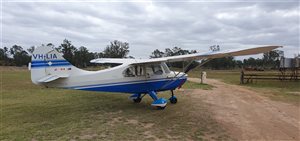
138, 77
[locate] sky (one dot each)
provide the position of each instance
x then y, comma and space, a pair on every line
150, 25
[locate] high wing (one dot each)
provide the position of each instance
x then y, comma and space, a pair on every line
113, 60
196, 56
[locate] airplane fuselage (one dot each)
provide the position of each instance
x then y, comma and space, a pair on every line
115, 79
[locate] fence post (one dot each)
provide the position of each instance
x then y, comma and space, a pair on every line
242, 77
203, 77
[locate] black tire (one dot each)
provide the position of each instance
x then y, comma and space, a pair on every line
173, 100
161, 108
137, 100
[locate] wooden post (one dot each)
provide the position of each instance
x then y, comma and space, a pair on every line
242, 77
201, 77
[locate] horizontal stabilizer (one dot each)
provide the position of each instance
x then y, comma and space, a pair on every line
50, 78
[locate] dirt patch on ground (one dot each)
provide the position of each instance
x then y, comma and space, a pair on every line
247, 115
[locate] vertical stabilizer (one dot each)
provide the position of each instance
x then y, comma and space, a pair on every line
47, 64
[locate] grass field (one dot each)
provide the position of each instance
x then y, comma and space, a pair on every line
30, 112
287, 91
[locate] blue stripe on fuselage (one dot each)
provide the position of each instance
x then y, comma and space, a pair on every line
141, 87
121, 83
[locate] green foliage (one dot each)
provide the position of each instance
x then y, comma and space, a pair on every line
221, 63
20, 56
157, 54
68, 51
172, 52
5, 60
116, 49
31, 49
270, 60
82, 57
79, 57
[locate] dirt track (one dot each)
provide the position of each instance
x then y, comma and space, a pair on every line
247, 115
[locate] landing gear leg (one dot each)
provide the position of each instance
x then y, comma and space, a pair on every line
159, 103
173, 98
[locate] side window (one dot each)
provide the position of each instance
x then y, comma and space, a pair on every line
157, 70
139, 70
134, 71
129, 72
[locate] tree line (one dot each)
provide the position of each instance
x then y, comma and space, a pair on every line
81, 56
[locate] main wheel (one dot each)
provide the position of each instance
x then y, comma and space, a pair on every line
160, 108
137, 100
173, 100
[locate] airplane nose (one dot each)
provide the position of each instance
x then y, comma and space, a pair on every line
178, 74
182, 74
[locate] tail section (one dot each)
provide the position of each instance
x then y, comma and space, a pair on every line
47, 65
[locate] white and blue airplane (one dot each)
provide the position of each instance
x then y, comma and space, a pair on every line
138, 77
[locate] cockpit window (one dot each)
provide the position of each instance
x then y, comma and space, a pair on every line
157, 70
133, 71
141, 70
129, 72
165, 67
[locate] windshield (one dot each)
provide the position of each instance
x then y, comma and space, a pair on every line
165, 67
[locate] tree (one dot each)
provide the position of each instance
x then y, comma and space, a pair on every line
157, 54
20, 56
83, 57
178, 51
5, 58
31, 49
172, 52
250, 62
98, 55
116, 49
239, 63
68, 50
271, 59
221, 63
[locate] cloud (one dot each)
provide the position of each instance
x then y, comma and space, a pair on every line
150, 25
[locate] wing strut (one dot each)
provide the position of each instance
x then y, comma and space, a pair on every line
195, 64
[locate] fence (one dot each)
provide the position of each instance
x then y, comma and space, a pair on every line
280, 76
